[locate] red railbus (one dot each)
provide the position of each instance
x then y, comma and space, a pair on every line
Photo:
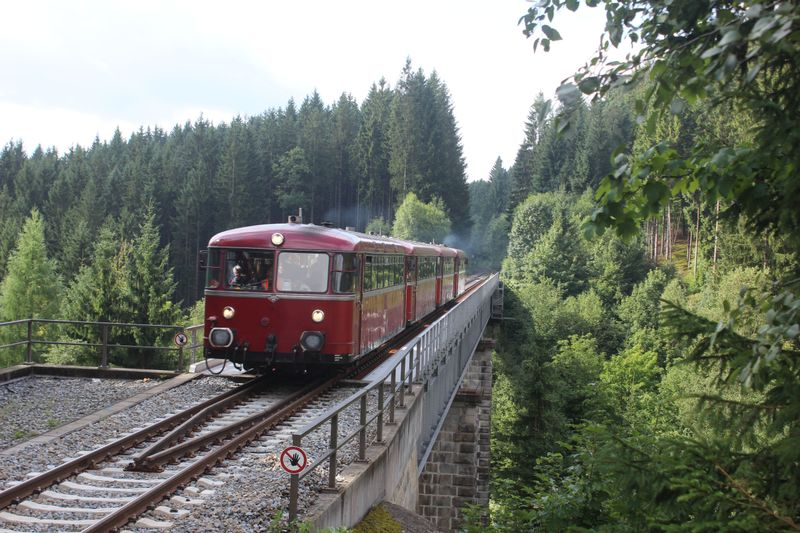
306, 295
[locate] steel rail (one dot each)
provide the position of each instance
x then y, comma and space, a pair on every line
142, 503
154, 461
243, 392
75, 466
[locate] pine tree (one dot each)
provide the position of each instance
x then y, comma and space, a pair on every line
372, 157
151, 288
32, 286
526, 162
346, 120
101, 291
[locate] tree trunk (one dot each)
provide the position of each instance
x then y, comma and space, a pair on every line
716, 234
696, 240
655, 240
669, 231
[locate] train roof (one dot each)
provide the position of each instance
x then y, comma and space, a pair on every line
312, 237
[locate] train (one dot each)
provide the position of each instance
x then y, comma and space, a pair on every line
304, 296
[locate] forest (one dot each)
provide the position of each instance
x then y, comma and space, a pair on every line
112, 232
647, 376
647, 371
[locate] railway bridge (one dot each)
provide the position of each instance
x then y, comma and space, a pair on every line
421, 439
430, 425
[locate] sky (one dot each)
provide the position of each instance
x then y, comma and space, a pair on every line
73, 71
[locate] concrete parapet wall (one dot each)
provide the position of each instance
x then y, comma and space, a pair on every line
390, 474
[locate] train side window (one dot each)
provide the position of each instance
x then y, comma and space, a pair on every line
400, 261
369, 281
385, 269
345, 273
213, 269
411, 269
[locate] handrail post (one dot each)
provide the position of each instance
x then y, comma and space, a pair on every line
380, 410
394, 396
29, 356
104, 347
294, 485
419, 364
334, 444
362, 435
194, 345
402, 382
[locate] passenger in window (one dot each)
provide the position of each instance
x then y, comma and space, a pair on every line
239, 278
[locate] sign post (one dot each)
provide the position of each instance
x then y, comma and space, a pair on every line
293, 460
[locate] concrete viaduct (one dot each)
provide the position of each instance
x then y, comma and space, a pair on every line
425, 445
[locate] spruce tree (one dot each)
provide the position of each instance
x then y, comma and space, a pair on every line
32, 286
151, 288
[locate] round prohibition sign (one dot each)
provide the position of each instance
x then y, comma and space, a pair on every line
181, 339
293, 459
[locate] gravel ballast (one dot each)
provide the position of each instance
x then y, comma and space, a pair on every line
251, 491
39, 457
36, 404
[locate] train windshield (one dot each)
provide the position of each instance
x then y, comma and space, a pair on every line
249, 270
303, 272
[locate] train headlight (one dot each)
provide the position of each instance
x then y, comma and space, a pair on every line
220, 337
228, 312
318, 315
277, 239
312, 341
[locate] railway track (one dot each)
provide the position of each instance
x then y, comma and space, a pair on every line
105, 489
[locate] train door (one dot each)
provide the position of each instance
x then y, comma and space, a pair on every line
411, 288
359, 305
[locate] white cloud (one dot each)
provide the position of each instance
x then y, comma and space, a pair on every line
79, 69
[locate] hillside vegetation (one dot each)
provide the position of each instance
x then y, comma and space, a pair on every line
648, 379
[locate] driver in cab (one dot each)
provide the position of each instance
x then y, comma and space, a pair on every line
239, 278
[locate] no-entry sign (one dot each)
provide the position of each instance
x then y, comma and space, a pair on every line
293, 459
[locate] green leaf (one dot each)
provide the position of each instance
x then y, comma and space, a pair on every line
551, 33
572, 5
568, 93
711, 52
589, 85
731, 37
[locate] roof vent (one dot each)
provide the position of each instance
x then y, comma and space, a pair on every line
326, 224
298, 218
349, 228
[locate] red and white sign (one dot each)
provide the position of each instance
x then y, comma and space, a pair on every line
181, 339
293, 459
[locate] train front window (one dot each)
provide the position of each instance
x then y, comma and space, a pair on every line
303, 272
249, 270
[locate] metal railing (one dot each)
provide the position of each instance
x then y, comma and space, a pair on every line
436, 360
104, 342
